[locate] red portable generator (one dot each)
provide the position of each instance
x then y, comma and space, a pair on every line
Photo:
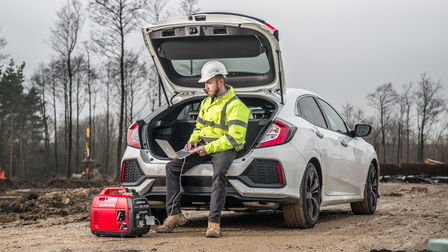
116, 211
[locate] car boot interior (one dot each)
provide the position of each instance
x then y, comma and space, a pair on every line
177, 123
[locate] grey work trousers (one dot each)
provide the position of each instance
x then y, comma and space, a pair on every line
221, 162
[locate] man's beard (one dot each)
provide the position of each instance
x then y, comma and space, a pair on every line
208, 93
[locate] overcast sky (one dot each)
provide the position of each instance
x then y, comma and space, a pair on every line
340, 49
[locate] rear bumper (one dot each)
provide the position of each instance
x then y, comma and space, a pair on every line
197, 191
196, 182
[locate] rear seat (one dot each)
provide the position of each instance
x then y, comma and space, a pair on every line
258, 113
193, 114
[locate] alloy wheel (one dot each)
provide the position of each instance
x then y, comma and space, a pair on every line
372, 188
312, 195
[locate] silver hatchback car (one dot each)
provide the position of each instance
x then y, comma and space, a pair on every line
299, 154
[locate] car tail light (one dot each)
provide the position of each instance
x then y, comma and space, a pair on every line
133, 137
279, 132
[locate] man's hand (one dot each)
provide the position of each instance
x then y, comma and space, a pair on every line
190, 145
200, 150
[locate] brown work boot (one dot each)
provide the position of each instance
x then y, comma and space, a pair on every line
213, 230
171, 222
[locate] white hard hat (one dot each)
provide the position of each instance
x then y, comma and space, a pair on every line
211, 69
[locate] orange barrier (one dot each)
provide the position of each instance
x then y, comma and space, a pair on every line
431, 161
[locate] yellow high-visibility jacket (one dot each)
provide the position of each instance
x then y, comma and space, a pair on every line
222, 123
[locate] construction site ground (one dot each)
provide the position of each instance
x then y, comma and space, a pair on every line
55, 217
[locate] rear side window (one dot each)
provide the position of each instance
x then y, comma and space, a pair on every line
190, 112
311, 112
334, 120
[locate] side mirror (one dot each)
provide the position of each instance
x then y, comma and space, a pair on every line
362, 130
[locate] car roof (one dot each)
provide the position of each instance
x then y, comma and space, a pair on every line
296, 92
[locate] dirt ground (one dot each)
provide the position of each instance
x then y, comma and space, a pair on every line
58, 220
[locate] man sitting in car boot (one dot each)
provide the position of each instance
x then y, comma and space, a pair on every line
221, 125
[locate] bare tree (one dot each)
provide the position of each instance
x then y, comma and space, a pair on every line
189, 6
430, 103
406, 101
402, 105
439, 138
118, 18
64, 37
109, 78
154, 10
152, 89
382, 99
80, 72
90, 89
347, 114
40, 80
359, 116
136, 76
57, 78
351, 115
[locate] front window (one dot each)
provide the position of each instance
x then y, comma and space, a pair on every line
334, 120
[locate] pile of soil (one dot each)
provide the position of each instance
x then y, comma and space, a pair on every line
34, 206
66, 200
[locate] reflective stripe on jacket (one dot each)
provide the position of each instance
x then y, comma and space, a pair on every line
222, 123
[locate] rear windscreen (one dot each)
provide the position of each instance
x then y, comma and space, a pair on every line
235, 66
247, 57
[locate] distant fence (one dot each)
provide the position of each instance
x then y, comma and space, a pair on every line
429, 170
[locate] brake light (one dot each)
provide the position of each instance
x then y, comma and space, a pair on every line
270, 26
133, 137
278, 133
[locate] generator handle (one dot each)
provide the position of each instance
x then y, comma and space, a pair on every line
117, 190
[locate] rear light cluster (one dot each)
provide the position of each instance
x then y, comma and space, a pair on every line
133, 136
279, 132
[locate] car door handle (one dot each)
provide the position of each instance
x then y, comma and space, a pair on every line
343, 143
320, 135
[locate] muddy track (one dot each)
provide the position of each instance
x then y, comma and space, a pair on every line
407, 216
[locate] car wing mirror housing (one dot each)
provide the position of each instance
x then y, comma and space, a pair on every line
362, 130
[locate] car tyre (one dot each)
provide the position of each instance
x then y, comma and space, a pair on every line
305, 213
368, 204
